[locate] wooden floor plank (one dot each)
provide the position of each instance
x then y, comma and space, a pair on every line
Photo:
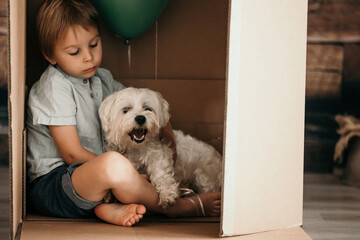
331, 210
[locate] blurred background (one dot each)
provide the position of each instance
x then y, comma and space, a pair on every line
332, 76
4, 147
3, 82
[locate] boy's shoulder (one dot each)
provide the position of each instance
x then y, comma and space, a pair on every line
53, 73
51, 79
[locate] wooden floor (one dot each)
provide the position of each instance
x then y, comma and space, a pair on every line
331, 210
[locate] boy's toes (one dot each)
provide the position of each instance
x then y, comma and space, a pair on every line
132, 220
123, 215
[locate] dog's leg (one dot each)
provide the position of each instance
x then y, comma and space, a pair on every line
161, 172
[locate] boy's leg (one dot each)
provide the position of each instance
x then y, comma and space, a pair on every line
112, 171
95, 178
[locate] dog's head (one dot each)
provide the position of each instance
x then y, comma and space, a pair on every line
133, 115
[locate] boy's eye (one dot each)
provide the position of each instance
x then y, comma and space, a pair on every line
94, 45
74, 53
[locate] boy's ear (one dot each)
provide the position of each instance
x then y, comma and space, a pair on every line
50, 60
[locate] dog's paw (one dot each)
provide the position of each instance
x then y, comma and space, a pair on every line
167, 198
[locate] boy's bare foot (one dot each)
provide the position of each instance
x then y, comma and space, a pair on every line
212, 203
120, 214
184, 207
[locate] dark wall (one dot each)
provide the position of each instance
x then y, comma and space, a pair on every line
4, 156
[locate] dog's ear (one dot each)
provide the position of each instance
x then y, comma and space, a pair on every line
106, 112
164, 114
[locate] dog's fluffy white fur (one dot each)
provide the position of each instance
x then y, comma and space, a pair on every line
131, 121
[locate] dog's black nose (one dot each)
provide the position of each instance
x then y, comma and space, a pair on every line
140, 120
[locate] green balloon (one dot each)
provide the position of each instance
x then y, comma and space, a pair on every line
130, 18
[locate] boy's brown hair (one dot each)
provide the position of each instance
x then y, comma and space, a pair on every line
56, 16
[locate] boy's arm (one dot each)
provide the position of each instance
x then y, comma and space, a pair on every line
168, 137
68, 143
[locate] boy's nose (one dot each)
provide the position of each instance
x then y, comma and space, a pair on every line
87, 56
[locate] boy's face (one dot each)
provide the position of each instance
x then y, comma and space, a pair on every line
78, 52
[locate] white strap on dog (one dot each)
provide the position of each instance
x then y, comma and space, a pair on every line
188, 191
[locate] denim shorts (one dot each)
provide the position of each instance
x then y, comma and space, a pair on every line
54, 195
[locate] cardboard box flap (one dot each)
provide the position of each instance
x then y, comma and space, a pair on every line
264, 136
16, 109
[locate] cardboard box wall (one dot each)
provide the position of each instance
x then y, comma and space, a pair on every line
234, 75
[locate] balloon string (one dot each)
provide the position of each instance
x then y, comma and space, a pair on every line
129, 56
156, 49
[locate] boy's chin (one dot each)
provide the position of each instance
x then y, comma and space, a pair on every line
86, 75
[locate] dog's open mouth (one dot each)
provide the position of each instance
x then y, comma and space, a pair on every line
138, 134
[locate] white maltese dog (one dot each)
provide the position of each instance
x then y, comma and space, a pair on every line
132, 119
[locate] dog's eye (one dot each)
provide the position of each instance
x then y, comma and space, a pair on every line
125, 110
148, 109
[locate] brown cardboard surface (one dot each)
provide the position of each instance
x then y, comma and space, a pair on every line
145, 230
16, 109
192, 40
141, 52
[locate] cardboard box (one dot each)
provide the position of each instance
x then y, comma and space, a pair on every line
234, 75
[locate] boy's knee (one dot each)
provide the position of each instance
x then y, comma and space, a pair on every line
116, 168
